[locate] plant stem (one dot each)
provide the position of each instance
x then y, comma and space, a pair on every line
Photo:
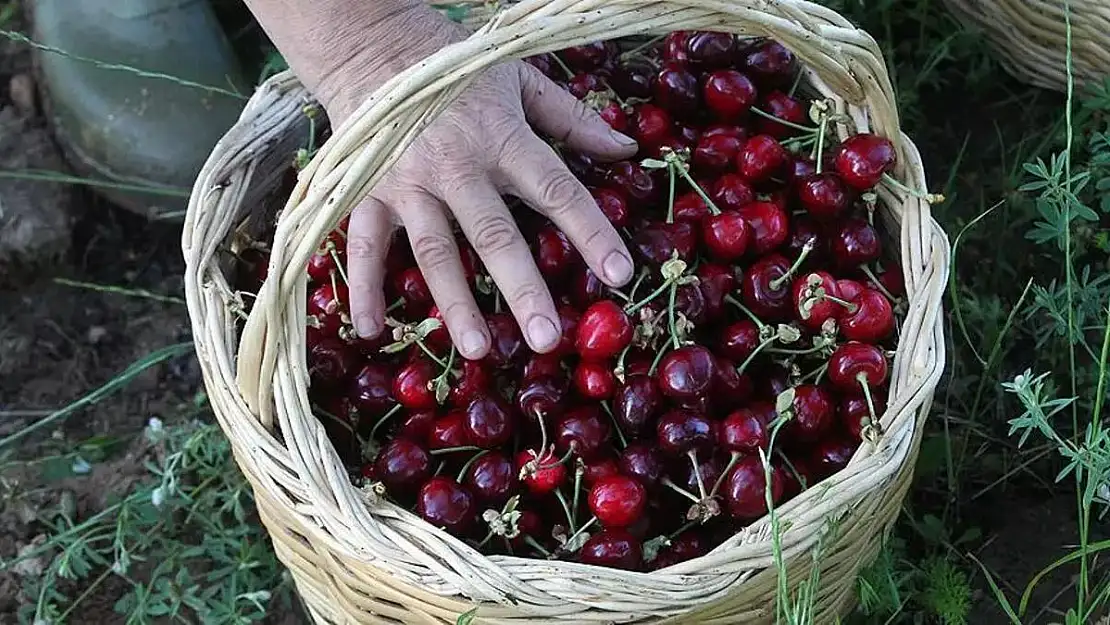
672, 326
430, 354
566, 509
777, 282
451, 450
675, 163
670, 193
788, 124
630, 310
680, 490
744, 309
693, 456
755, 352
531, 542
878, 284
386, 417
469, 463
663, 349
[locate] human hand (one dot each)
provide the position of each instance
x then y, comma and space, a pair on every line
478, 149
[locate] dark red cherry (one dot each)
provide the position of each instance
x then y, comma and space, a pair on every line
476, 380
613, 206
617, 501
323, 264
410, 285
891, 280
686, 372
830, 455
600, 467
603, 331
330, 363
489, 422
771, 382
716, 153
438, 340
814, 413
743, 431
677, 90
633, 79
739, 340
729, 94
784, 107
770, 225
766, 289
544, 63
690, 301
761, 158
715, 282
674, 46
853, 364
402, 466
681, 430
871, 321
804, 231
862, 160
770, 62
614, 115
326, 301
732, 192
507, 343
568, 328
823, 195
855, 414
544, 473
583, 429
417, 426
554, 253
687, 134
543, 366
656, 242
690, 207
594, 380
730, 389
686, 547
614, 548
492, 478
586, 288
711, 49
584, 167
642, 461
709, 471
413, 386
636, 403
799, 169
449, 431
726, 235
540, 397
855, 243
445, 503
651, 125
634, 183
590, 56
811, 307
744, 489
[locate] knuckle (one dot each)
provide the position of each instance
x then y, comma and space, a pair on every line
528, 296
557, 191
433, 251
494, 233
362, 248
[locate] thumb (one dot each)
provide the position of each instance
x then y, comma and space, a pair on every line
567, 119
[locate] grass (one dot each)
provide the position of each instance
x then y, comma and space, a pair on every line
1018, 416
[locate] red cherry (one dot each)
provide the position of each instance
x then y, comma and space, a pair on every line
613, 206
614, 115
633, 182
823, 195
583, 84
636, 403
690, 207
770, 225
544, 63
854, 412
766, 290
651, 125
739, 340
676, 89
761, 158
589, 56
613, 548
586, 288
731, 192
863, 159
831, 455
594, 380
810, 308
716, 153
715, 282
729, 94
330, 363
329, 306
438, 340
584, 167
744, 489
804, 231
674, 46
603, 331
799, 169
449, 431
771, 383
892, 281
554, 253
680, 431
322, 265
584, 430
492, 478
849, 289
410, 285
489, 423
771, 62
600, 468
417, 426
507, 343
814, 413
545, 474
476, 379
372, 389
726, 235
543, 366
656, 242
643, 462
872, 320
633, 79
540, 397
743, 431
445, 503
686, 372
710, 468
617, 501
686, 547
686, 135
784, 107
710, 49
412, 385
853, 364
402, 466
855, 243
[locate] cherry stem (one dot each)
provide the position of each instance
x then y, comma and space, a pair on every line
341, 422
663, 349
560, 63
451, 450
850, 306
932, 198
469, 463
579, 471
755, 352
651, 296
563, 460
395, 305
680, 490
616, 426
788, 124
640, 48
644, 273
672, 326
566, 508
793, 470
693, 456
794, 85
670, 193
430, 354
581, 529
675, 162
338, 264
789, 275
531, 542
866, 269
862, 379
543, 429
735, 302
816, 373
618, 293
821, 140
724, 474
439, 468
386, 417
795, 352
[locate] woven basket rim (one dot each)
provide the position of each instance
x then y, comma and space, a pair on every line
239, 374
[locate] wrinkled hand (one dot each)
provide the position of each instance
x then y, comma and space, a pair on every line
477, 150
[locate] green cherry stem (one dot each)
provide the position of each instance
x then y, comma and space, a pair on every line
672, 325
644, 273
395, 305
862, 379
816, 375
451, 450
676, 163
755, 352
584, 527
744, 309
662, 351
670, 193
821, 141
795, 352
566, 509
724, 474
793, 470
789, 275
579, 471
680, 490
849, 306
932, 198
560, 63
640, 48
866, 269
693, 456
430, 354
788, 124
531, 542
632, 309
616, 426
469, 463
386, 417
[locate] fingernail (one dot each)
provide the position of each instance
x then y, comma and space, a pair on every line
366, 326
622, 138
618, 268
473, 342
542, 332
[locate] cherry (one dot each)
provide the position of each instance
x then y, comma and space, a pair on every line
674, 46
330, 363
709, 471
770, 225
743, 431
613, 206
506, 341
823, 195
770, 62
568, 328
892, 281
729, 94
854, 364
862, 160
744, 489
589, 56
726, 235
855, 243
710, 49
771, 383
554, 253
633, 182
476, 380
613, 548
417, 426
633, 79
804, 231
656, 242
739, 340
617, 501
594, 380
681, 430
544, 63
690, 301
584, 167
489, 423
492, 478
449, 431
690, 207
732, 192
831, 455
412, 385
603, 331
445, 503
543, 367
784, 107
402, 466
799, 169
797, 470
814, 413
686, 135
582, 430
614, 115
685, 547
600, 468
686, 372
438, 340
651, 125
849, 289
410, 285
676, 89
531, 526
715, 282
855, 414
541, 473
635, 404
811, 309
328, 306
730, 389
871, 321
586, 288
322, 265
761, 158
765, 291
643, 462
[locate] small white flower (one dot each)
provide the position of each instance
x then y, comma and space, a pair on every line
80, 466
158, 497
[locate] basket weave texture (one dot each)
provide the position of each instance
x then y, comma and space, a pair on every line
359, 560
1029, 37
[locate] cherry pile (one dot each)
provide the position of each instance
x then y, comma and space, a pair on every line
748, 357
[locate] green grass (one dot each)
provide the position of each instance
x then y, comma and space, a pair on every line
1026, 174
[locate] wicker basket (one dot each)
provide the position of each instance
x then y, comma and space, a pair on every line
358, 560
1029, 37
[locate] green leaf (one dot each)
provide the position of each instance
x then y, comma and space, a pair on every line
466, 618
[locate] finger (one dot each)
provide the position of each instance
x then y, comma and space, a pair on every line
437, 255
368, 240
543, 181
489, 226
567, 119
